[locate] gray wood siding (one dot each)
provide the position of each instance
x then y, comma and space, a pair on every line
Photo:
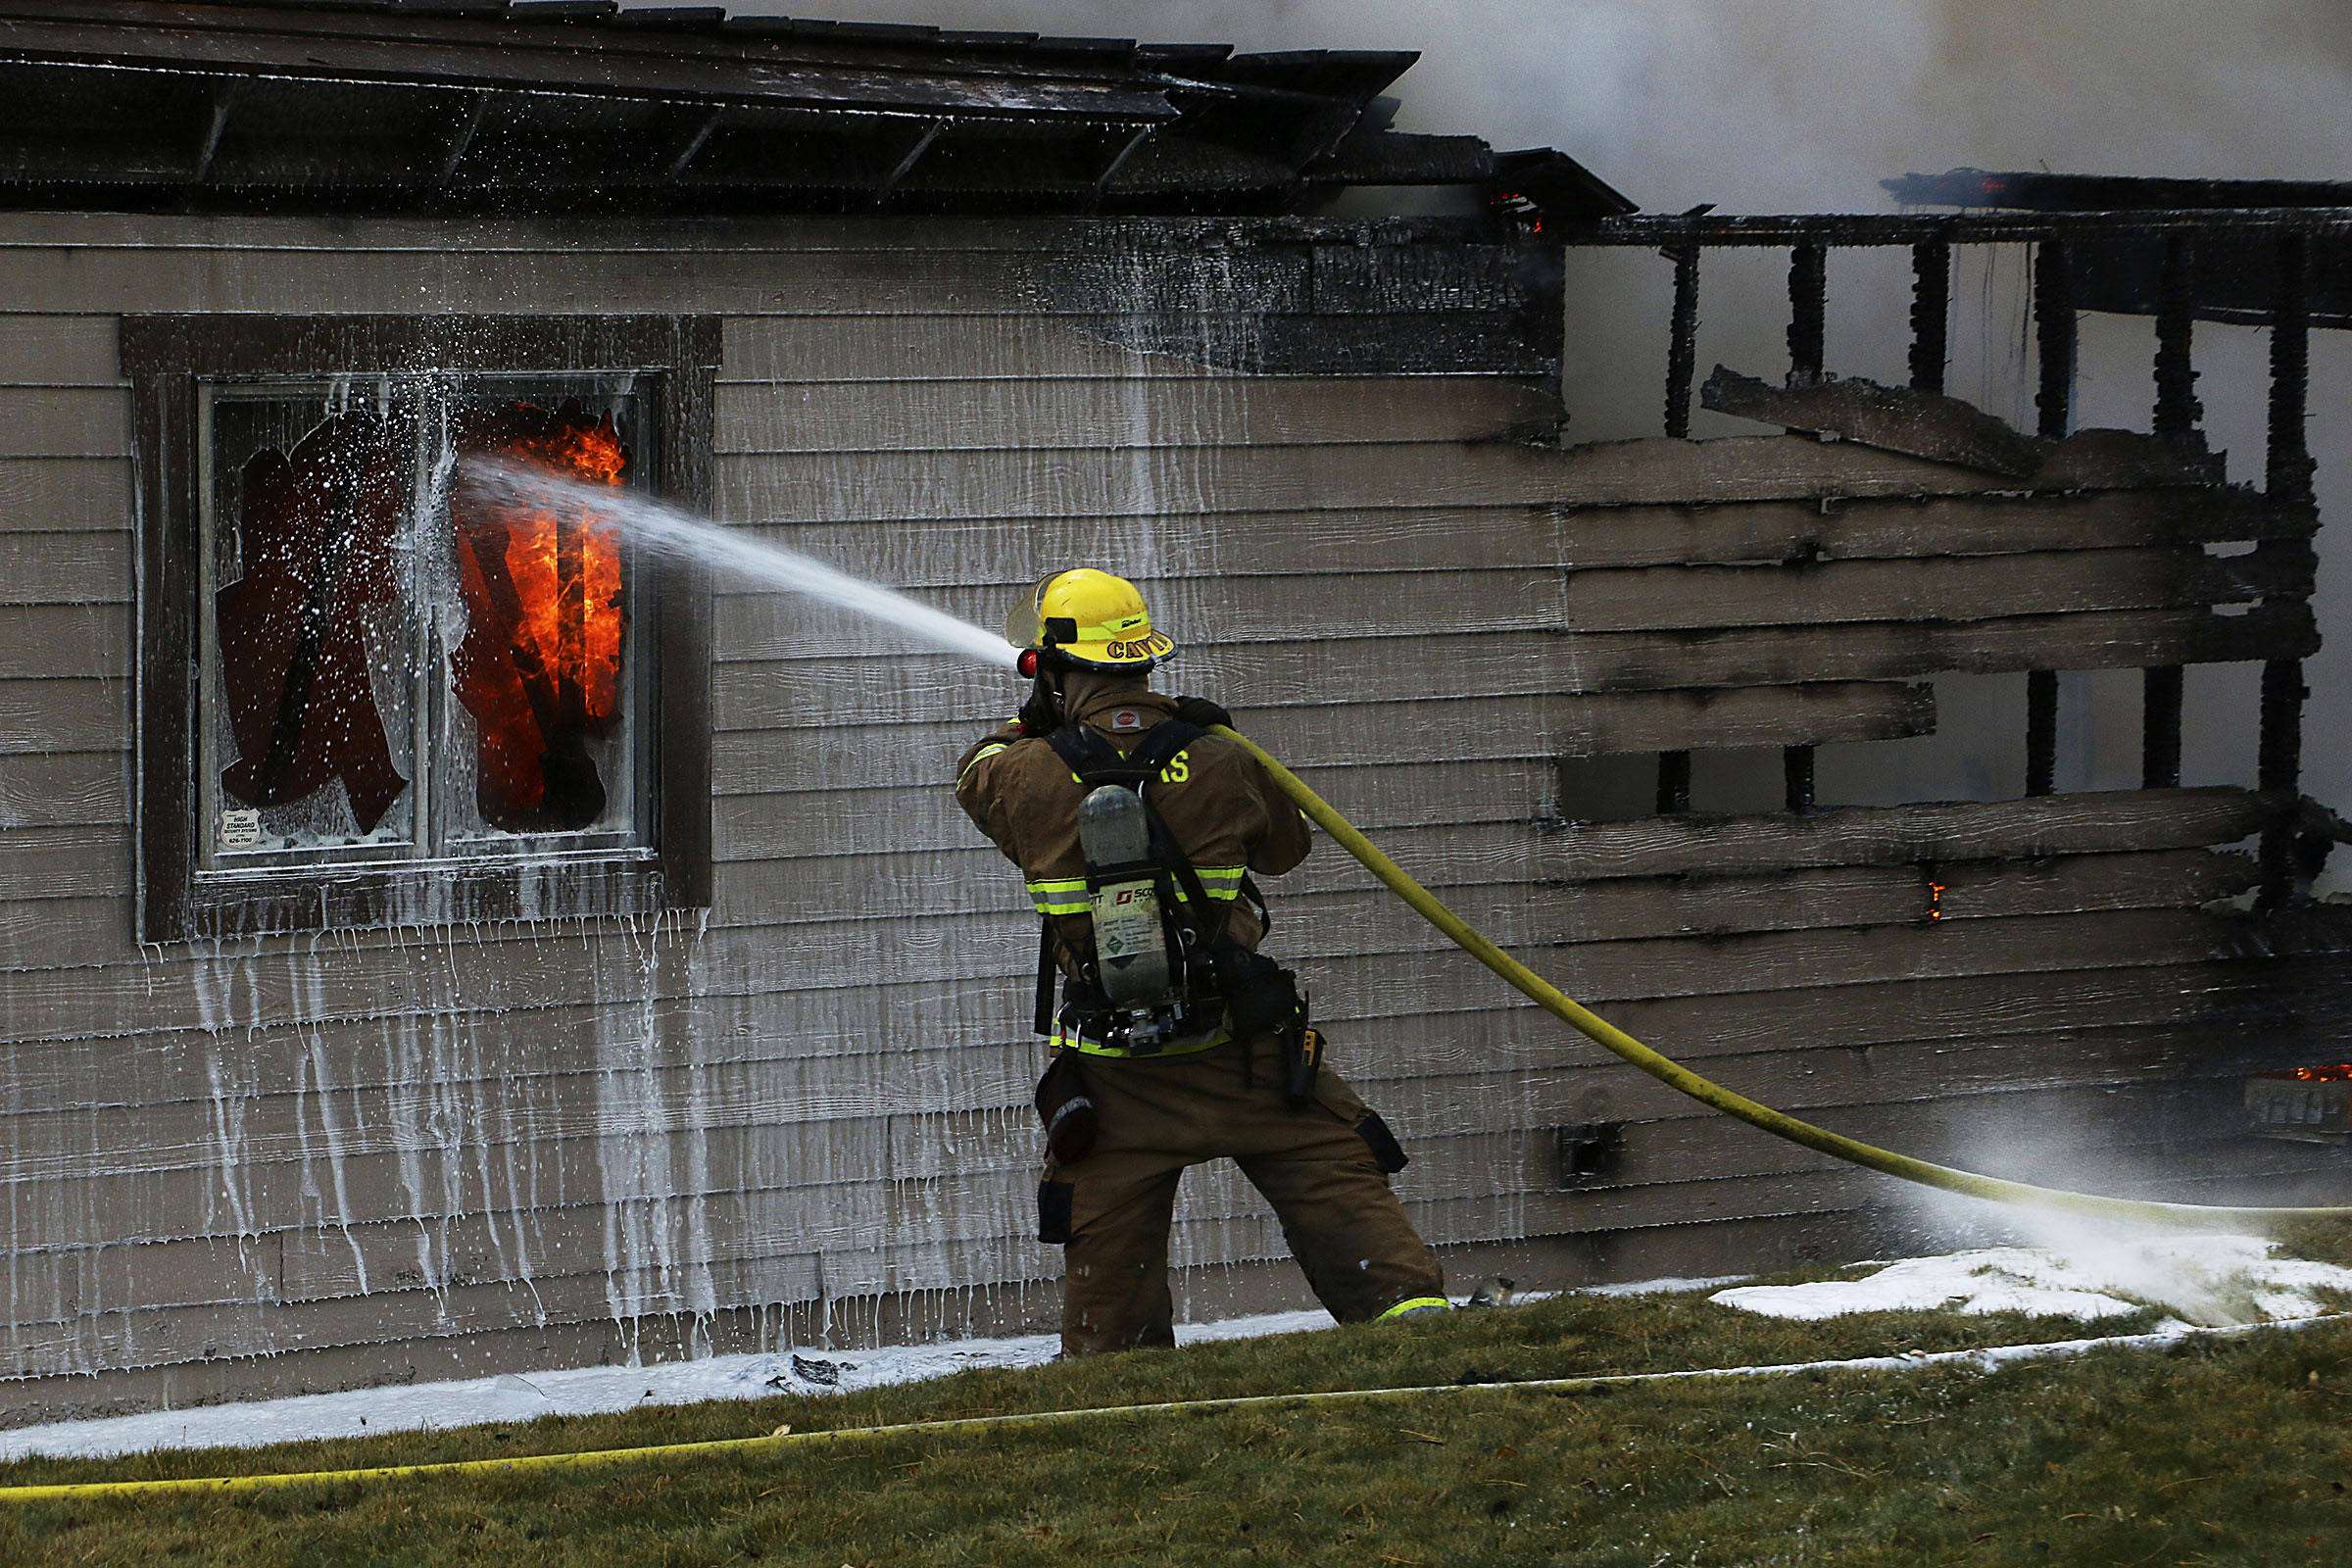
381, 1138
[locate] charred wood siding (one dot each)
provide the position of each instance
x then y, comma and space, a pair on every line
361, 1151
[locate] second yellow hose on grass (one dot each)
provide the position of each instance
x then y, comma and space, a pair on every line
1675, 1075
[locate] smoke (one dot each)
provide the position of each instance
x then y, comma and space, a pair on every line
1760, 105
2200, 1276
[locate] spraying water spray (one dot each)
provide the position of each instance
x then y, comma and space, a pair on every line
667, 532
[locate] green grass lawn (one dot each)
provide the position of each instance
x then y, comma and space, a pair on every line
2224, 1451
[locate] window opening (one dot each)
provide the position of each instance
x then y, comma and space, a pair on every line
369, 696
397, 667
1614, 788
1739, 780
305, 624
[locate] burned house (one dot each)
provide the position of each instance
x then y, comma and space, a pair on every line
438, 941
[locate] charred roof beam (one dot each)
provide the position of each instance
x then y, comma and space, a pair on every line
448, 105
210, 51
1400, 158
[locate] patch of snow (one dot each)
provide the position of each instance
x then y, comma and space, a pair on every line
1250, 1328
584, 1390
472, 1402
2206, 1279
2228, 1279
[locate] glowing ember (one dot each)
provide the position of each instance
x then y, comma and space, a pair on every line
1935, 892
540, 666
2341, 1072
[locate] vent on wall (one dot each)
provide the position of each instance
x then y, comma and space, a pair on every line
1589, 1151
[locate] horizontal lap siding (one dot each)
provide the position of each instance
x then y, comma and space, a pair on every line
654, 1121
442, 1277
1457, 1027
52, 790
1125, 414
212, 1151
66, 696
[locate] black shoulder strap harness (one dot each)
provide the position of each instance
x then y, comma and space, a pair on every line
1095, 763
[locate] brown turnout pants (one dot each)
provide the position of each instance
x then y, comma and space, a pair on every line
1161, 1114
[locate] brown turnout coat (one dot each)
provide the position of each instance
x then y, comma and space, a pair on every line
1217, 801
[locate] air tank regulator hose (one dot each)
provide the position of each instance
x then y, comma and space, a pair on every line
1675, 1075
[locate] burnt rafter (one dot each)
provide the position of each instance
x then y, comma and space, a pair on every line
578, 106
2235, 275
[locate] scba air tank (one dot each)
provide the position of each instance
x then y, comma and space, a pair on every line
1130, 943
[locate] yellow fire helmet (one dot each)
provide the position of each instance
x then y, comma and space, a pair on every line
1090, 620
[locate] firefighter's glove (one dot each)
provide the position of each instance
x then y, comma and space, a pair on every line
1041, 715
1201, 712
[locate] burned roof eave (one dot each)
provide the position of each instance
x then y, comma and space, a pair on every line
530, 30
784, 83
262, 107
2039, 192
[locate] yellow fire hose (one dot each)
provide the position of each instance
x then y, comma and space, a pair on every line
1675, 1075
784, 1438
1595, 1027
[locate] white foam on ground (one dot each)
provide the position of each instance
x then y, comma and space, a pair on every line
2200, 1278
584, 1390
2205, 1273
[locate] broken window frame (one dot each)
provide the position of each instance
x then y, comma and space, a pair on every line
671, 363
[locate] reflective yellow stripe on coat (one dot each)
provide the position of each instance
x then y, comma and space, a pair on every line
1059, 896
1067, 895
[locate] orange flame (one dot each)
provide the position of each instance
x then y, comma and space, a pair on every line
2340, 1073
571, 606
1935, 892
540, 667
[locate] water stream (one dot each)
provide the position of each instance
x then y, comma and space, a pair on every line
667, 532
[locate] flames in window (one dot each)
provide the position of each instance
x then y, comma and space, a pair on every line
540, 666
315, 528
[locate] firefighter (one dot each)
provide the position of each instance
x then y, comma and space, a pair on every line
1181, 1044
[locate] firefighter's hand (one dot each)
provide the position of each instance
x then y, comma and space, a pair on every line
1201, 712
1041, 715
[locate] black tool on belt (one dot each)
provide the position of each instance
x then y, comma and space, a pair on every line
1262, 996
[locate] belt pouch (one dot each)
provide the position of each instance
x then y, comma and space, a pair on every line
1261, 995
1067, 1111
1054, 1212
